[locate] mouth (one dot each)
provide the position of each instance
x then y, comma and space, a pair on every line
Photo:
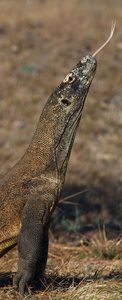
89, 60
85, 71
88, 65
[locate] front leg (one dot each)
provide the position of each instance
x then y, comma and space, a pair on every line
29, 243
42, 260
36, 282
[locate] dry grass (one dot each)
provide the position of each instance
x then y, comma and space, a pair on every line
92, 270
40, 41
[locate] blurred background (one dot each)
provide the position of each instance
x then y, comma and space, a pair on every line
40, 42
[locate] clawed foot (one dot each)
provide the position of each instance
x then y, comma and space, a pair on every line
20, 282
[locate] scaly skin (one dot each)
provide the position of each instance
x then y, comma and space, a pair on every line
30, 191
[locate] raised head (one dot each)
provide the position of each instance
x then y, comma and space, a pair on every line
61, 115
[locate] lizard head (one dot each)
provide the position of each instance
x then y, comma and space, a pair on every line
76, 84
62, 112
70, 94
67, 101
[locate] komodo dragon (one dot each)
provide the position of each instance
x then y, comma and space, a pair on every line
30, 191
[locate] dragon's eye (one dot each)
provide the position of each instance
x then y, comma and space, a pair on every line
69, 78
66, 102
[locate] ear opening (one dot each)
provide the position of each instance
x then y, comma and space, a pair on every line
66, 102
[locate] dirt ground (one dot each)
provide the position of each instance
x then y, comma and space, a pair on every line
40, 42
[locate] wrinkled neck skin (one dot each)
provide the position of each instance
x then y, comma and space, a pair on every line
60, 118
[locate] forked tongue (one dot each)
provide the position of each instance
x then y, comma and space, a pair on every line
109, 38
